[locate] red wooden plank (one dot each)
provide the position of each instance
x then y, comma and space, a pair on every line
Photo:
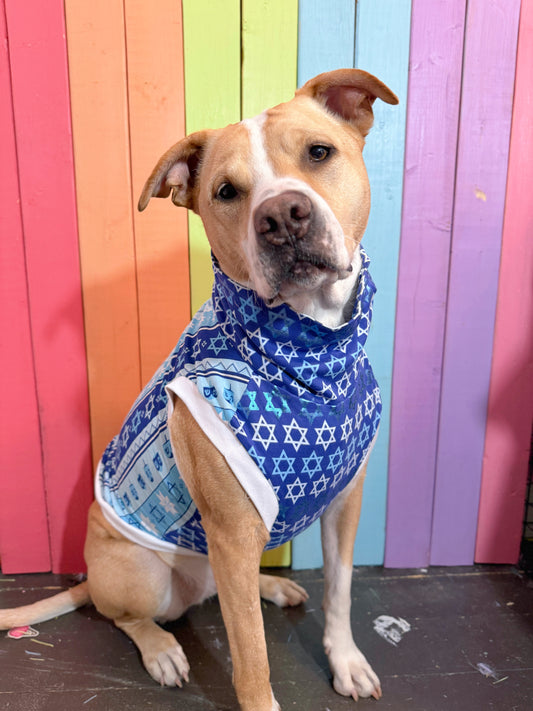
23, 526
432, 123
510, 411
44, 142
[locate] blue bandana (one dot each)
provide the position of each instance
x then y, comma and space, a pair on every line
299, 399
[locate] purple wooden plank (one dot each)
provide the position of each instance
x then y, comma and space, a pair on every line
484, 133
432, 126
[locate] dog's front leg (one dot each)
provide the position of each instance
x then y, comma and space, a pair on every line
235, 559
236, 537
352, 675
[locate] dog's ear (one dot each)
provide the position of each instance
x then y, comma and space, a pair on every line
176, 172
349, 93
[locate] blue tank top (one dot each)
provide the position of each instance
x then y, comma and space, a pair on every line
299, 399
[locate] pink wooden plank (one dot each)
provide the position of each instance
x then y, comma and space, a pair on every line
23, 525
44, 141
486, 106
510, 411
432, 123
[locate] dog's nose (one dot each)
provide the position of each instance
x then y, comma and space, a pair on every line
282, 218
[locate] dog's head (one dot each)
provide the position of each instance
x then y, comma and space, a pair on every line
284, 196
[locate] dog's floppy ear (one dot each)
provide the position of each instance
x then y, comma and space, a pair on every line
349, 93
176, 172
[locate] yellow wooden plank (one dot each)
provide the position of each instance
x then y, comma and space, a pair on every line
212, 49
97, 69
269, 75
154, 35
270, 53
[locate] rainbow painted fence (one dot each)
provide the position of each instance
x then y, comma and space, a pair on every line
93, 295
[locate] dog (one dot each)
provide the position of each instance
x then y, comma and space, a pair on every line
262, 418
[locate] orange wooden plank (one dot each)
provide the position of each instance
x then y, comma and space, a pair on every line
97, 65
157, 120
24, 545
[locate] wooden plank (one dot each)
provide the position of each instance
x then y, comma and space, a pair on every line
41, 106
212, 100
331, 48
268, 78
24, 544
97, 66
486, 106
157, 120
382, 47
510, 408
437, 31
326, 37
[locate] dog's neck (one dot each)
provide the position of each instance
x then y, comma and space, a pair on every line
331, 304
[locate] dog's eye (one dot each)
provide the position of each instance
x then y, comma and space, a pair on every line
319, 153
226, 192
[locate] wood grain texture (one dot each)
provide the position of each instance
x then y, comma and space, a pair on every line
212, 100
382, 48
269, 64
437, 31
486, 106
97, 67
331, 48
48, 205
156, 121
326, 38
510, 407
24, 543
269, 54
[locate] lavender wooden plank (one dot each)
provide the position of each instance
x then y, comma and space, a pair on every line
437, 30
486, 107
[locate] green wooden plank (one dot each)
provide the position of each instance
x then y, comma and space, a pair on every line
270, 51
212, 49
269, 66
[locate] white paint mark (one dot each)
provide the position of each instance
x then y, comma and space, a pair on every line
481, 195
392, 629
90, 699
486, 671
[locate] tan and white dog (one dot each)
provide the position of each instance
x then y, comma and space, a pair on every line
294, 174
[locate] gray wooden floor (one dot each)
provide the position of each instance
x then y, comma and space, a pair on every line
462, 640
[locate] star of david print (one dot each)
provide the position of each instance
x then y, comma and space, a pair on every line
295, 435
300, 399
264, 428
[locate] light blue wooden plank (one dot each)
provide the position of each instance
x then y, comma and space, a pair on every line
326, 41
382, 48
326, 32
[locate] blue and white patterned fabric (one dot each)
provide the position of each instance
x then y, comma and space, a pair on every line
293, 405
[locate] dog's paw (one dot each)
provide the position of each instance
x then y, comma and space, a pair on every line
352, 674
169, 667
281, 591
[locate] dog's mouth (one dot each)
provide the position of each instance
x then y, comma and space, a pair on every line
304, 272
